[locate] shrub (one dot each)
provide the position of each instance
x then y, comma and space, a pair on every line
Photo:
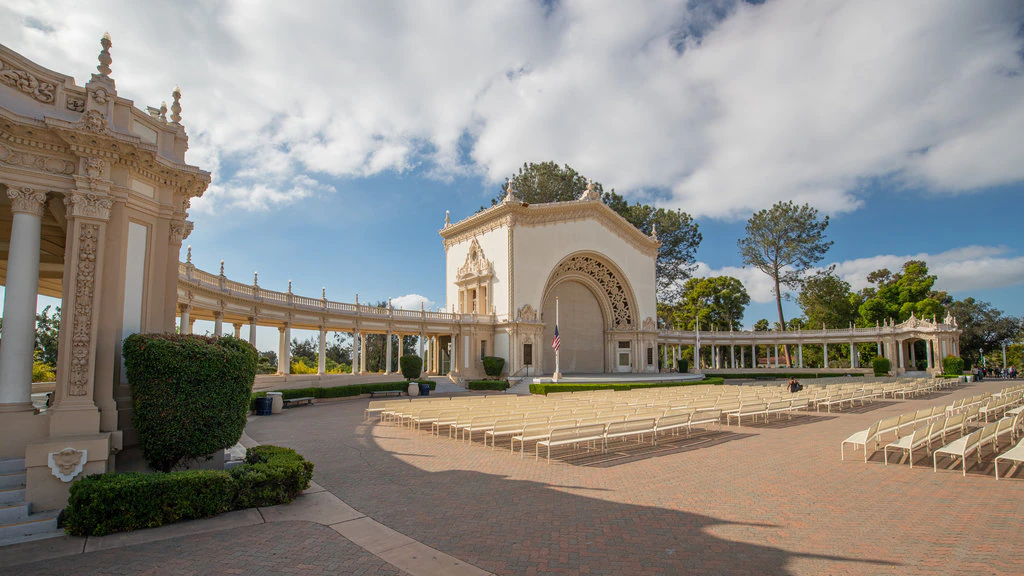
299, 366
684, 366
488, 385
880, 366
42, 372
103, 503
190, 394
620, 386
271, 475
338, 391
411, 365
952, 365
493, 365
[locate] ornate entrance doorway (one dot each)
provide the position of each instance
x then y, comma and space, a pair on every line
580, 328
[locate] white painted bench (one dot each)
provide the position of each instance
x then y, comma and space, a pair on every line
573, 435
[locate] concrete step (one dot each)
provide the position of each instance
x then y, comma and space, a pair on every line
35, 524
12, 480
14, 512
10, 496
12, 465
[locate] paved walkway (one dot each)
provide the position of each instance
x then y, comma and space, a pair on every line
764, 499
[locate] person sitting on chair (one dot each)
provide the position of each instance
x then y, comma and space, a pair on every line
794, 386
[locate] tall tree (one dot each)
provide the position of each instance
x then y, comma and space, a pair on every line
984, 326
47, 333
678, 232
897, 296
719, 302
826, 299
784, 241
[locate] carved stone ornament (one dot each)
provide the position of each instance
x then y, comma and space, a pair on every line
26, 200
94, 121
27, 82
100, 96
526, 314
476, 264
67, 463
591, 194
88, 205
49, 164
74, 103
177, 232
614, 288
94, 167
649, 324
189, 226
84, 290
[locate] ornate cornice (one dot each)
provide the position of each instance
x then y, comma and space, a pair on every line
521, 214
27, 201
27, 82
88, 205
44, 163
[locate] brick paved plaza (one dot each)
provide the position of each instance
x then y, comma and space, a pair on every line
761, 499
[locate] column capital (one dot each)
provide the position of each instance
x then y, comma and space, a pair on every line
88, 205
26, 200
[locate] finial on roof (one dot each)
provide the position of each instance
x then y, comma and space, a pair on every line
188, 255
509, 196
323, 292
591, 193
221, 267
289, 286
256, 278
163, 111
104, 56
447, 219
176, 105
654, 230
357, 298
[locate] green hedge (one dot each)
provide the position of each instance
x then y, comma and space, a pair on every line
488, 385
684, 366
339, 391
880, 366
104, 503
411, 365
189, 394
953, 365
618, 386
493, 365
773, 374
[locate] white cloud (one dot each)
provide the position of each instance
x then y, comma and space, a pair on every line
792, 99
957, 270
412, 302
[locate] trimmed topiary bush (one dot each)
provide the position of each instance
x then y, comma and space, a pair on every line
339, 391
191, 394
411, 366
493, 365
104, 503
488, 385
271, 475
880, 366
952, 365
684, 366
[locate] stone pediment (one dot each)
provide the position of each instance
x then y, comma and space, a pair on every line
476, 266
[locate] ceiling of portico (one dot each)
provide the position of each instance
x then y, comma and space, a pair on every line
51, 245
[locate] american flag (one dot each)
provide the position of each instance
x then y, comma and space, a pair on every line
555, 341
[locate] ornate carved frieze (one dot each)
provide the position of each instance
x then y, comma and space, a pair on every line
27, 82
650, 325
27, 200
526, 313
74, 103
85, 283
100, 95
67, 463
476, 265
613, 286
88, 205
93, 121
49, 164
471, 234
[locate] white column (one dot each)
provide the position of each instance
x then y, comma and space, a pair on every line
913, 355
218, 324
753, 355
362, 356
664, 355
354, 355
252, 331
453, 365
422, 352
776, 355
928, 353
743, 356
387, 355
824, 353
321, 367
900, 344
732, 356
238, 329
185, 326
853, 357
284, 363
878, 346
19, 330
800, 355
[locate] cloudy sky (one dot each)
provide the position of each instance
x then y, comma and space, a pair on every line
338, 133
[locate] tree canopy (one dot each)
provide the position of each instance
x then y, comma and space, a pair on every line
678, 232
984, 326
827, 300
719, 302
897, 296
784, 241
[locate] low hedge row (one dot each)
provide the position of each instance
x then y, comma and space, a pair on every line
339, 391
104, 503
766, 374
488, 385
618, 386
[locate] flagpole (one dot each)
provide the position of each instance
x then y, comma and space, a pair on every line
558, 369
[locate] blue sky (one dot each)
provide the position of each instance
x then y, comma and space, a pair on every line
339, 133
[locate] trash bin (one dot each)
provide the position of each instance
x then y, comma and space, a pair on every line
264, 406
277, 402
424, 389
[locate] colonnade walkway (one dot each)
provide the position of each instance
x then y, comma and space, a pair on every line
765, 498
